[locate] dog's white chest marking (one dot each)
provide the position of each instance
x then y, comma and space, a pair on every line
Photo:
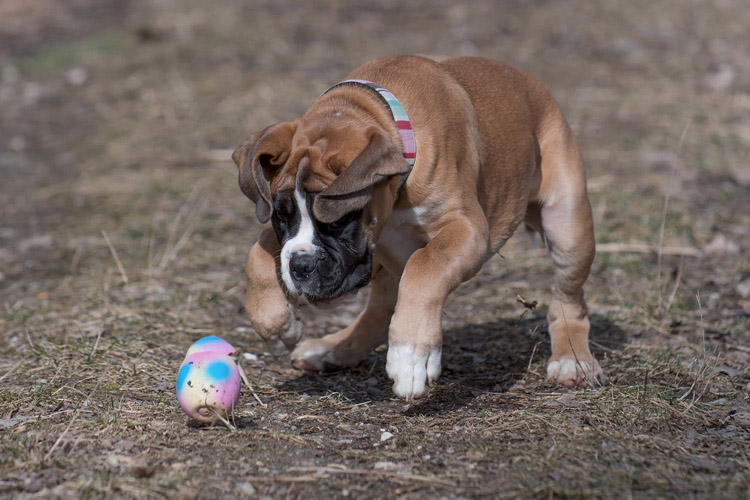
302, 242
413, 216
401, 238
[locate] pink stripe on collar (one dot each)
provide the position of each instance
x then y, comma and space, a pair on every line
403, 123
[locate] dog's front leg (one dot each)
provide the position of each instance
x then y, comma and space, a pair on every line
415, 337
266, 304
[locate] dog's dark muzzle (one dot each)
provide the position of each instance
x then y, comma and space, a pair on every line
301, 266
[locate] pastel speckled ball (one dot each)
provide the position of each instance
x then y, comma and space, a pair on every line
211, 344
208, 383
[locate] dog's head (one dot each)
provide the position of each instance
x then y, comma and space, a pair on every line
324, 184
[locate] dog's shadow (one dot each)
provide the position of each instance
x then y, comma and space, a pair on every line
476, 359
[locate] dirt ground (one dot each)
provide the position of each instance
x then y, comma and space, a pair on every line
123, 236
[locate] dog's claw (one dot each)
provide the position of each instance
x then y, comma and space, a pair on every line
569, 373
301, 364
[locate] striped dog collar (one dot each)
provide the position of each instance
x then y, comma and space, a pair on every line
399, 116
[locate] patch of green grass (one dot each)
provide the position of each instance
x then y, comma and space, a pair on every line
21, 315
7, 396
205, 297
14, 447
134, 233
630, 142
57, 57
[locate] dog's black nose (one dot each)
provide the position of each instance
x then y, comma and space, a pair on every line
301, 265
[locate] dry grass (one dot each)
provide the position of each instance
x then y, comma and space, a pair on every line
123, 237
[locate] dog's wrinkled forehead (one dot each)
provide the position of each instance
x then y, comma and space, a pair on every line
294, 172
340, 165
318, 154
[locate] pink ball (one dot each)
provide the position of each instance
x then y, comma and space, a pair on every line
211, 344
208, 384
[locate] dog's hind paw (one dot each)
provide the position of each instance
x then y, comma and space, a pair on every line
411, 371
568, 372
314, 355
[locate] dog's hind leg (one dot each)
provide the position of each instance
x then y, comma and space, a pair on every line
352, 344
569, 233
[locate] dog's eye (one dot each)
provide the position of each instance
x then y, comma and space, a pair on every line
282, 218
335, 228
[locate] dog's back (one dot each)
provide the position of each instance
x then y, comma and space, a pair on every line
514, 112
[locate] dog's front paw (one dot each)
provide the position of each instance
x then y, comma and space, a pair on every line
314, 355
566, 371
411, 371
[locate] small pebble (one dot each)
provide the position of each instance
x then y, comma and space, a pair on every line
246, 488
385, 436
10, 74
76, 76
18, 143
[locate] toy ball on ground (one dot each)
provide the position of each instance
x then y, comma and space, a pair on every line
208, 383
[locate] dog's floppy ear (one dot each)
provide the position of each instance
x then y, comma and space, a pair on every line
352, 189
257, 158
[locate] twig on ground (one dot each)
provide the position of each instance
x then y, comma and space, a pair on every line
531, 359
209, 155
72, 421
28, 338
642, 247
75, 260
703, 328
530, 305
367, 472
185, 235
281, 479
676, 284
604, 348
223, 420
98, 337
117, 258
188, 208
150, 258
704, 368
246, 379
12, 369
280, 435
664, 212
598, 183
218, 155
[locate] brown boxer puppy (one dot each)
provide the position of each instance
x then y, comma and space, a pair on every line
492, 151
